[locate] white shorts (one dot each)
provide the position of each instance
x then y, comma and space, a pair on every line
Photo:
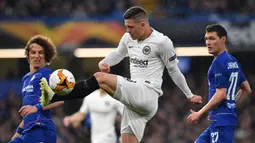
141, 104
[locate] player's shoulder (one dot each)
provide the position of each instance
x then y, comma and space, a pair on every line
44, 72
161, 41
25, 76
126, 37
226, 60
113, 101
93, 95
231, 57
159, 37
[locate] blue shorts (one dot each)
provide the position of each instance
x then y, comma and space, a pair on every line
223, 134
37, 135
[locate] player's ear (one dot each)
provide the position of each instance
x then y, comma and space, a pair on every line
143, 24
223, 39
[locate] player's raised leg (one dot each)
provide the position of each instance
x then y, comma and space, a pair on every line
108, 82
83, 88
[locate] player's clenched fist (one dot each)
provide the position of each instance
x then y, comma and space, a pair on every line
104, 67
196, 99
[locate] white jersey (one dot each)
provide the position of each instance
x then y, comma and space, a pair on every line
103, 111
148, 58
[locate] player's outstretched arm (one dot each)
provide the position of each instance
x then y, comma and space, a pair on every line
243, 93
169, 58
179, 79
74, 120
218, 98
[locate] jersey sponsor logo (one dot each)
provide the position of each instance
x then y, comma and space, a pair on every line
172, 58
139, 63
29, 88
233, 65
146, 50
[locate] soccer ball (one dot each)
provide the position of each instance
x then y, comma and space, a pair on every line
62, 81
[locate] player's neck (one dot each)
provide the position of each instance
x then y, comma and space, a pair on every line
33, 70
221, 51
147, 34
101, 92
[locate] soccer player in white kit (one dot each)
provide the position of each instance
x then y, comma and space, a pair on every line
103, 111
149, 53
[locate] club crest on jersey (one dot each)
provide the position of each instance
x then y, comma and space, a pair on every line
146, 50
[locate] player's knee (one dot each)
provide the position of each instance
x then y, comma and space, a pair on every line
101, 77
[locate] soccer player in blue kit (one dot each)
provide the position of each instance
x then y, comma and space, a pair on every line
37, 125
228, 88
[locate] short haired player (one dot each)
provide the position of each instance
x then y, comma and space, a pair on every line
228, 88
149, 53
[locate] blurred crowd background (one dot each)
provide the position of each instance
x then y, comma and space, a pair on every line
188, 17
25, 8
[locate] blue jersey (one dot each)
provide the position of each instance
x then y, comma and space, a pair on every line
30, 96
224, 72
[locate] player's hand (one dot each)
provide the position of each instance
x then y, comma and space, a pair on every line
196, 99
194, 117
28, 109
104, 67
76, 124
67, 121
15, 136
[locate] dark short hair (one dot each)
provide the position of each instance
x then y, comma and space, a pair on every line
135, 12
47, 45
220, 30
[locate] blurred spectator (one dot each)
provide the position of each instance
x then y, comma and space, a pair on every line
3, 111
39, 8
173, 8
